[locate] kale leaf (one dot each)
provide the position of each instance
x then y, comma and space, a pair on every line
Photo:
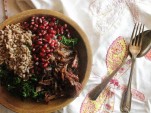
69, 41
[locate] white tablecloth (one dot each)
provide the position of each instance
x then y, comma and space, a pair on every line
108, 25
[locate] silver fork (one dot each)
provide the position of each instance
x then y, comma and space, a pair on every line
134, 48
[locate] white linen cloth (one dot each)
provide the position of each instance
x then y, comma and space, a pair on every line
103, 21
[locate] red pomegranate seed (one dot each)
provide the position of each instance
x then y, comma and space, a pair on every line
53, 31
42, 54
31, 26
36, 58
39, 42
35, 28
43, 60
43, 50
45, 46
68, 35
43, 17
36, 25
49, 55
55, 27
51, 50
47, 27
65, 25
33, 17
48, 38
32, 22
52, 44
51, 24
34, 49
48, 51
59, 38
40, 34
45, 65
45, 23
53, 18
40, 21
37, 63
55, 44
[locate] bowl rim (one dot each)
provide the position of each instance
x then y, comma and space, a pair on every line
75, 26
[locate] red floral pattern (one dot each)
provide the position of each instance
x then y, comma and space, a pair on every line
148, 55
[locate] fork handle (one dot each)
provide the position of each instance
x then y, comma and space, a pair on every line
126, 101
127, 95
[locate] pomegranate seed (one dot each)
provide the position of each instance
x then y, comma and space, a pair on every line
33, 49
31, 26
59, 38
43, 17
40, 34
36, 25
35, 28
49, 55
48, 51
40, 21
52, 35
37, 18
45, 46
52, 24
43, 50
47, 27
68, 35
32, 22
45, 65
39, 42
55, 27
56, 45
36, 63
51, 50
65, 25
36, 58
52, 44
67, 30
52, 31
44, 32
53, 18
33, 17
42, 54
45, 23
48, 38
53, 41
43, 60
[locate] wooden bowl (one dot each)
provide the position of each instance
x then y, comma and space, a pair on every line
85, 56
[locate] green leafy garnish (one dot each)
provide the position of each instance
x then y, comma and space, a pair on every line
69, 41
16, 85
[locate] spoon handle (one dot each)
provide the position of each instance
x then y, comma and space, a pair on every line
100, 87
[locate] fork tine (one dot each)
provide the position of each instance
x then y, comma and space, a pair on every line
131, 40
136, 37
141, 35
